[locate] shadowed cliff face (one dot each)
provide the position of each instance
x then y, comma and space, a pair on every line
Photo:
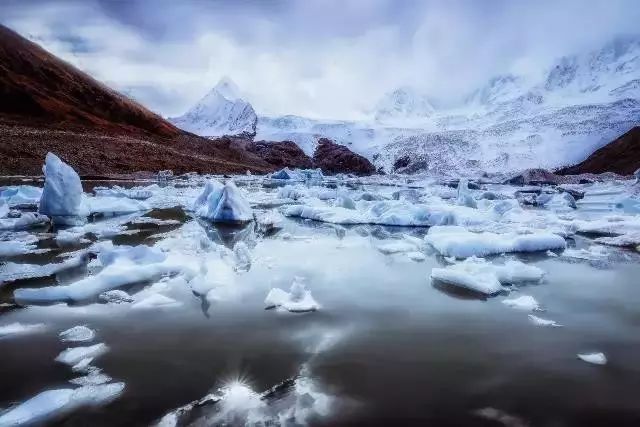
621, 156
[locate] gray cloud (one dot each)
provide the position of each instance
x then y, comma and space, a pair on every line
324, 58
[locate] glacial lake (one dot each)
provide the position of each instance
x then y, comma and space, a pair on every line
386, 346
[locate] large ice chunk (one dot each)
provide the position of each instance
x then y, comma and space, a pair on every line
297, 300
481, 276
461, 243
62, 197
222, 203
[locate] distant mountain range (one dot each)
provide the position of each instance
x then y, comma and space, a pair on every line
579, 104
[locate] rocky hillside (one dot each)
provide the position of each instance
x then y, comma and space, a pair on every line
621, 156
49, 105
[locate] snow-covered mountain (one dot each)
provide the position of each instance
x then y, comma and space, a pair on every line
580, 103
220, 112
403, 104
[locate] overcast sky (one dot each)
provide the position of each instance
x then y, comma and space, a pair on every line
319, 58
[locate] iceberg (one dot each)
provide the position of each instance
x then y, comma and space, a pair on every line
62, 197
460, 243
222, 203
297, 300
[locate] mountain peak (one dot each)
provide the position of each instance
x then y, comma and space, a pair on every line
227, 88
222, 111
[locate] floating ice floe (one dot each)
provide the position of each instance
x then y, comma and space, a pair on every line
560, 202
18, 245
631, 239
56, 403
297, 300
77, 334
115, 296
74, 355
115, 205
594, 358
592, 253
12, 271
479, 275
65, 238
20, 195
539, 321
222, 203
458, 242
93, 377
140, 254
524, 302
62, 197
118, 274
17, 329
137, 193
155, 301
25, 221
388, 212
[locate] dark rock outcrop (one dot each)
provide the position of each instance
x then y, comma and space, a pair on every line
621, 156
535, 177
281, 154
333, 158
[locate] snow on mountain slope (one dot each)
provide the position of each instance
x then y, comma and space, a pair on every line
579, 104
403, 104
221, 112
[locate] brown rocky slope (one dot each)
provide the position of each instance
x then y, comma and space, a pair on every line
621, 156
47, 104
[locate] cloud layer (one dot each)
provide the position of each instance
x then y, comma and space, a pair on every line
319, 58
